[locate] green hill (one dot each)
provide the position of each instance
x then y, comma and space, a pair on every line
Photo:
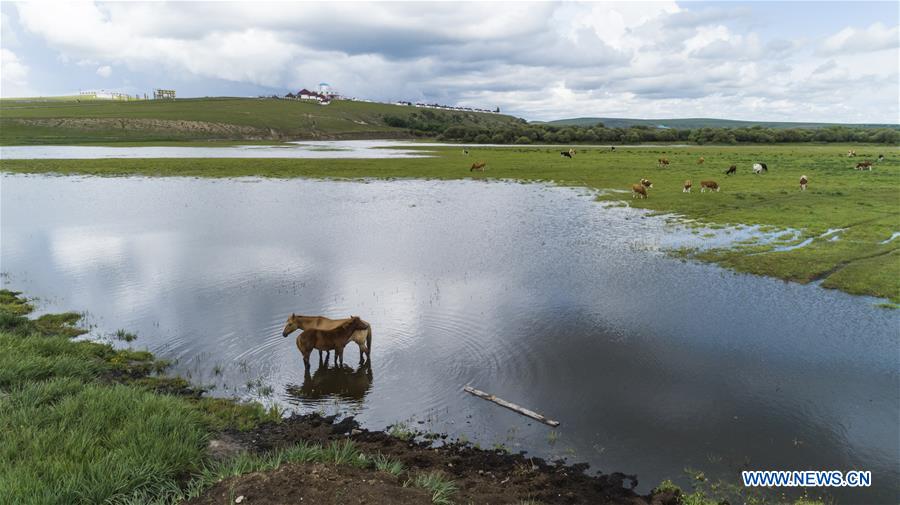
691, 123
59, 121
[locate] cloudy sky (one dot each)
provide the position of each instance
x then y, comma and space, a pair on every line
802, 61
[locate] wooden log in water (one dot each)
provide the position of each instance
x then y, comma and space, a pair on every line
511, 406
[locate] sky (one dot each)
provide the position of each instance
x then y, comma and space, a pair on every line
764, 61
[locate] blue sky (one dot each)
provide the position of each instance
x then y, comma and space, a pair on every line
792, 61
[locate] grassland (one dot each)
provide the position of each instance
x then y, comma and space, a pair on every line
27, 122
864, 205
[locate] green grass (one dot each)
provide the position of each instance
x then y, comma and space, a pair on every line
402, 431
717, 493
25, 122
73, 436
866, 204
436, 483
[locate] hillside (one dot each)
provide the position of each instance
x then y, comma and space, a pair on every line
691, 123
24, 121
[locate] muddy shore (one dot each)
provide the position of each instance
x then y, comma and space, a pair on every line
482, 476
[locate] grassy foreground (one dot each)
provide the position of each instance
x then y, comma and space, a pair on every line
860, 259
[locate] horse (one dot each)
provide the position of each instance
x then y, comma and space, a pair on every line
362, 336
478, 166
732, 169
326, 340
638, 191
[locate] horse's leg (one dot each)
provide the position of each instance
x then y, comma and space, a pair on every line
306, 360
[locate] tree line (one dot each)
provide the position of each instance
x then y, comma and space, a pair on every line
451, 128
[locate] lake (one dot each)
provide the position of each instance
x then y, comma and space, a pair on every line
537, 294
309, 149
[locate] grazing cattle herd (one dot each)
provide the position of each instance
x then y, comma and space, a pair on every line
639, 190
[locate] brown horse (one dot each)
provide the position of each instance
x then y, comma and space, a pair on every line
362, 336
326, 340
478, 166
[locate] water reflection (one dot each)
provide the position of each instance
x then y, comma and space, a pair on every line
332, 382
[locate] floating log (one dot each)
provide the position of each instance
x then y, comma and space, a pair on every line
511, 406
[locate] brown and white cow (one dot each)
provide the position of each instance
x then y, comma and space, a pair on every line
662, 162
638, 191
478, 166
865, 165
646, 183
851, 153
803, 182
701, 160
710, 185
687, 186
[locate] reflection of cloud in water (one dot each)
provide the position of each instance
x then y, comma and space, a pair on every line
80, 250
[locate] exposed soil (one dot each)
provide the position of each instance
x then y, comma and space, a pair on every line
314, 484
482, 476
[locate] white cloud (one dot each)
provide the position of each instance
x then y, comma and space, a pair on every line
104, 71
13, 75
854, 40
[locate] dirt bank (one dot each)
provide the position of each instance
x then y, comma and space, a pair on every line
481, 476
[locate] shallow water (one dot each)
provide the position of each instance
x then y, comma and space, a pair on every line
310, 149
533, 293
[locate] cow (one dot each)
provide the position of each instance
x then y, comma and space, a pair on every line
465, 152
759, 168
687, 186
803, 182
710, 185
612, 148
865, 165
851, 153
880, 158
478, 166
646, 183
573, 152
565, 154
701, 160
731, 170
662, 162
638, 191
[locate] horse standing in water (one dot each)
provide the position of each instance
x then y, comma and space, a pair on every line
362, 335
